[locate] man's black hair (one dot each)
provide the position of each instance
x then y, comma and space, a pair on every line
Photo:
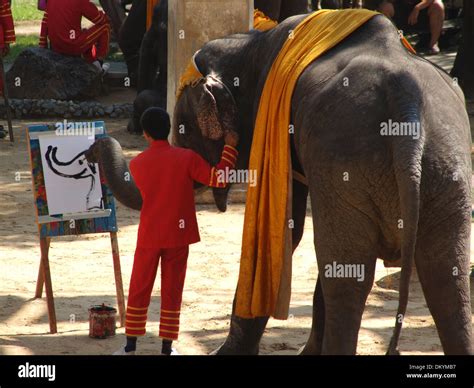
156, 123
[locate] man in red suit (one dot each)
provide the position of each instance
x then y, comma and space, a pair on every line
62, 26
7, 37
165, 176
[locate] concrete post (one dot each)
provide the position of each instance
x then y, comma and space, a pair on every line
192, 23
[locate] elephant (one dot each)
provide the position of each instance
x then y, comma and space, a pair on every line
153, 57
116, 13
108, 153
405, 197
131, 34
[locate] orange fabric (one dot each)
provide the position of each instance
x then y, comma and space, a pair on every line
264, 286
190, 76
262, 22
407, 45
149, 12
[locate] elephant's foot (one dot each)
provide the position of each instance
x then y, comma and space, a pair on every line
232, 348
134, 126
394, 352
309, 350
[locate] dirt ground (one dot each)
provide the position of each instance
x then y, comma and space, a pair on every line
82, 276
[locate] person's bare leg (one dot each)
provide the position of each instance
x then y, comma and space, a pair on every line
436, 16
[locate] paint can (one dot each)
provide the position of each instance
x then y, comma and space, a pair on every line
102, 321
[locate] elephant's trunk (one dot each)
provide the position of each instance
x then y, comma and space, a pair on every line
108, 154
220, 198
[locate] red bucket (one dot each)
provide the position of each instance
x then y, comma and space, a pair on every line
102, 321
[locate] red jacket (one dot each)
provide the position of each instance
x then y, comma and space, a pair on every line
7, 29
165, 176
62, 23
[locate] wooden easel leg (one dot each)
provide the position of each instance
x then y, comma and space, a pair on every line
118, 277
40, 281
44, 244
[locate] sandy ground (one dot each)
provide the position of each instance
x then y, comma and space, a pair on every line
82, 276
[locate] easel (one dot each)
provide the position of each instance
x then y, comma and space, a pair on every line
49, 227
44, 279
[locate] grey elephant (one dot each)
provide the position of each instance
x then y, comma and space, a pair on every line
372, 195
153, 56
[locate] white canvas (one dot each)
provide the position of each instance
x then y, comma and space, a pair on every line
72, 185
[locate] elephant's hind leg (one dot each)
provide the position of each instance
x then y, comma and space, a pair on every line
346, 277
345, 241
443, 270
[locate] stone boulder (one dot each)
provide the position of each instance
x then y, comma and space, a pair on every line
39, 73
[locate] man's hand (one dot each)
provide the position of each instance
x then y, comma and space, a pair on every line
231, 138
413, 18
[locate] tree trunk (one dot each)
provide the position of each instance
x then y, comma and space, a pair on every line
463, 68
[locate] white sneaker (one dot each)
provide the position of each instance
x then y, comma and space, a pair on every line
122, 352
97, 65
103, 68
174, 352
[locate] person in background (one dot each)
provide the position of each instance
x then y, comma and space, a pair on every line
7, 37
61, 25
165, 176
409, 13
386, 7
383, 6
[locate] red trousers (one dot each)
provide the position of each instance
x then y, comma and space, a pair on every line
91, 44
173, 273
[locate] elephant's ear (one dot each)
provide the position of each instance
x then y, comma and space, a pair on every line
207, 112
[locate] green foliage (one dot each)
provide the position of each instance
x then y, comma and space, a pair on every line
26, 10
22, 42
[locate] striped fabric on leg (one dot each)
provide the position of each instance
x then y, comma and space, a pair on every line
135, 321
169, 324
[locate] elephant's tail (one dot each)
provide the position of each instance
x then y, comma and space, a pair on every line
405, 104
108, 153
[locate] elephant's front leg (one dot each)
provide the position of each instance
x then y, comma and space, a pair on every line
245, 334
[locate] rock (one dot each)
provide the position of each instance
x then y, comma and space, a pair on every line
48, 75
48, 105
